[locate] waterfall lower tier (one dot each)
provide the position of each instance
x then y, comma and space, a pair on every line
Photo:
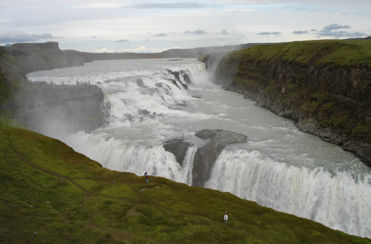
135, 158
336, 200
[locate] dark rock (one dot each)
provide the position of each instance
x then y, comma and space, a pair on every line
361, 150
207, 155
140, 83
175, 83
177, 75
178, 147
144, 112
186, 77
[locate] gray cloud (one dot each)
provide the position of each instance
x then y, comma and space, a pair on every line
313, 29
169, 5
335, 30
122, 41
335, 27
300, 32
161, 34
196, 32
94, 37
199, 32
266, 33
224, 32
23, 37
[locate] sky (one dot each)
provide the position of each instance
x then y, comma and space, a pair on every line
157, 25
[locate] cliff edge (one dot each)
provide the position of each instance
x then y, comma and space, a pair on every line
50, 109
324, 86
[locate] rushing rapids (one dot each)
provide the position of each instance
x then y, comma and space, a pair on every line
149, 102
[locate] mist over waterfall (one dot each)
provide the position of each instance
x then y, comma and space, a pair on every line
151, 101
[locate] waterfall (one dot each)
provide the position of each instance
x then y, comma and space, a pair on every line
336, 200
135, 158
152, 101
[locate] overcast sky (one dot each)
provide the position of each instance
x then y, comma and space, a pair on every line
152, 26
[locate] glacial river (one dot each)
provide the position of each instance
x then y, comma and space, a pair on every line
278, 166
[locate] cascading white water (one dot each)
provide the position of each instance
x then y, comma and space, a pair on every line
337, 200
136, 158
279, 166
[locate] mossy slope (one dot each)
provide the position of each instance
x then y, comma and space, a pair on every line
51, 194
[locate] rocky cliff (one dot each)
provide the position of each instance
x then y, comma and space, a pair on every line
214, 141
57, 110
29, 57
324, 86
49, 109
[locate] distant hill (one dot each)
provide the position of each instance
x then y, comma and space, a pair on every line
28, 57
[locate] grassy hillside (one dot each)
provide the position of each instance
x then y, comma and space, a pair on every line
10, 79
51, 194
338, 52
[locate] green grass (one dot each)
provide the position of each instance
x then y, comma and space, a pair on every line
340, 52
51, 194
5, 89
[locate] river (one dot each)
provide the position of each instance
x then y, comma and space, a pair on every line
149, 101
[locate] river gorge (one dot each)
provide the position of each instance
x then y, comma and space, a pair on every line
149, 102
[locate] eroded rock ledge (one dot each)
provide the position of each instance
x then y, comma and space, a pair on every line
207, 154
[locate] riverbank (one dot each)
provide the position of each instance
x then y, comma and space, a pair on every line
323, 86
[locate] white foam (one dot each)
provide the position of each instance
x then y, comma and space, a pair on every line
130, 157
336, 200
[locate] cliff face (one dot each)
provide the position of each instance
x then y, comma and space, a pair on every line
29, 57
311, 83
59, 110
49, 109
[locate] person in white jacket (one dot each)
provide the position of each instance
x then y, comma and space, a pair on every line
226, 217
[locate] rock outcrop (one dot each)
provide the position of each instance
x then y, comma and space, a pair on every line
207, 154
181, 78
178, 147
